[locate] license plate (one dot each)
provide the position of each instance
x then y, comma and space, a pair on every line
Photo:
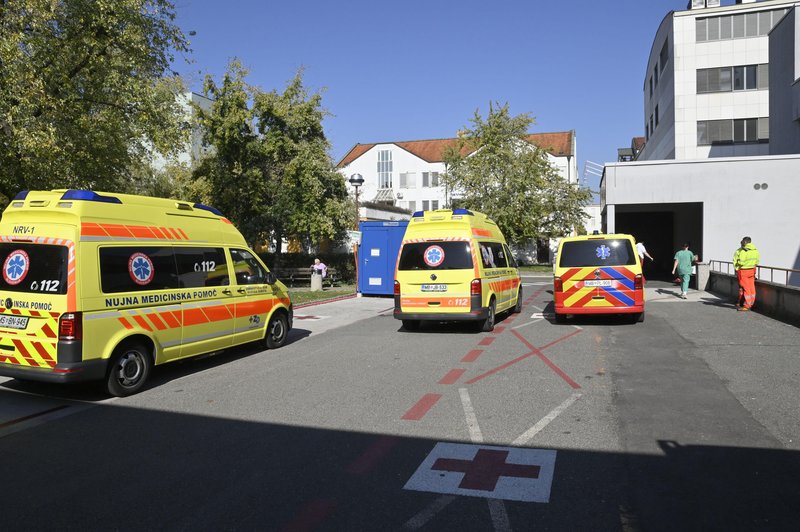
599, 282
13, 322
434, 288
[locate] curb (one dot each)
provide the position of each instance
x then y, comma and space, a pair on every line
323, 301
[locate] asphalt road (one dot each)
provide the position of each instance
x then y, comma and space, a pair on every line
688, 421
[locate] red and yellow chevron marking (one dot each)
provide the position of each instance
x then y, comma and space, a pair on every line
150, 232
160, 321
502, 286
575, 294
36, 346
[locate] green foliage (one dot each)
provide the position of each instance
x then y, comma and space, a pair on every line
511, 180
83, 92
270, 171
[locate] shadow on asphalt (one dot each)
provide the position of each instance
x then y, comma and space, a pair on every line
153, 470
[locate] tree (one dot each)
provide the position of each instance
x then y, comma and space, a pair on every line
502, 174
270, 171
83, 91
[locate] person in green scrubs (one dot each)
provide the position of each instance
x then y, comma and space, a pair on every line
683, 267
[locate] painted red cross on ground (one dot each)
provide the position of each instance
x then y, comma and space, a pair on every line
509, 473
483, 472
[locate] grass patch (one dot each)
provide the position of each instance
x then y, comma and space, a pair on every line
537, 268
305, 295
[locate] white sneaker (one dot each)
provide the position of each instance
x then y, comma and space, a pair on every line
683, 295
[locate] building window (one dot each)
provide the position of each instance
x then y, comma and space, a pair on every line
434, 205
736, 131
430, 179
652, 128
426, 205
412, 206
738, 26
385, 169
655, 76
736, 78
651, 87
663, 57
408, 180
656, 116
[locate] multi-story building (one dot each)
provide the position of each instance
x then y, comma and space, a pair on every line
408, 174
722, 153
706, 85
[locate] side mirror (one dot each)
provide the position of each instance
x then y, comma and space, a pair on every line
270, 278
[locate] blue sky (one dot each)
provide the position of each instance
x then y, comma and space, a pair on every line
394, 71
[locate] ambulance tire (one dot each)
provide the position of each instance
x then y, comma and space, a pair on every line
518, 306
277, 331
411, 325
637, 318
487, 325
130, 367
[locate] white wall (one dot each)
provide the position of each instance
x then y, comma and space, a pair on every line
732, 208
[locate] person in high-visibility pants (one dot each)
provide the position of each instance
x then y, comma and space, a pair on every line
745, 260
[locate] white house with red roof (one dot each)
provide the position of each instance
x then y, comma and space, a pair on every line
407, 174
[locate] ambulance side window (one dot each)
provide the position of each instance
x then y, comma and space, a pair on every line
136, 269
512, 262
199, 267
247, 268
493, 255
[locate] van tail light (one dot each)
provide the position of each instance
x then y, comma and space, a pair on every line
397, 288
637, 282
475, 287
558, 285
70, 326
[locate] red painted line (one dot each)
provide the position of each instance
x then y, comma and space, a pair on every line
312, 303
452, 376
26, 418
418, 411
487, 341
472, 356
372, 456
534, 352
311, 515
306, 317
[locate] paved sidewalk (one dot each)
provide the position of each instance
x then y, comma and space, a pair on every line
317, 318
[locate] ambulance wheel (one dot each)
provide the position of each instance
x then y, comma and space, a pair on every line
277, 331
411, 325
518, 306
637, 318
130, 368
488, 324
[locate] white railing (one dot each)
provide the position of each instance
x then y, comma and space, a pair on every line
773, 274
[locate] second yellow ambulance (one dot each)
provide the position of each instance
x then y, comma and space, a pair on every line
105, 286
454, 265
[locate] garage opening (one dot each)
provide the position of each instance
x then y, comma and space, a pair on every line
663, 228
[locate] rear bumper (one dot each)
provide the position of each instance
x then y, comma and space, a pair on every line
600, 310
475, 315
90, 370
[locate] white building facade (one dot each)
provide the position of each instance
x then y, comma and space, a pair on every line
722, 158
407, 174
706, 85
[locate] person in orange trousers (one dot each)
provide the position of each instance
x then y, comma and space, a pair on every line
745, 260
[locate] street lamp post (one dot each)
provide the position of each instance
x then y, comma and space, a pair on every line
356, 180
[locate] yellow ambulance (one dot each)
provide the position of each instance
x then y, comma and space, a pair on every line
598, 274
454, 265
99, 286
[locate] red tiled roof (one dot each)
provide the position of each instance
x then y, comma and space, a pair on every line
558, 144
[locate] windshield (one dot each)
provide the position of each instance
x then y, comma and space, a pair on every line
436, 256
597, 252
33, 268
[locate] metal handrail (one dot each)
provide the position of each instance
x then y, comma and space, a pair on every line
772, 269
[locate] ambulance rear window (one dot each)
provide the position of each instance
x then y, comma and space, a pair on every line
596, 252
436, 256
34, 268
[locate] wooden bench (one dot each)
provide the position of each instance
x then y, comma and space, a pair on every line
291, 276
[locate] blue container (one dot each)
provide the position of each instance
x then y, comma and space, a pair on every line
377, 256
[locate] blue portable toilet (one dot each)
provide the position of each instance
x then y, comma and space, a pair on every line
377, 256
